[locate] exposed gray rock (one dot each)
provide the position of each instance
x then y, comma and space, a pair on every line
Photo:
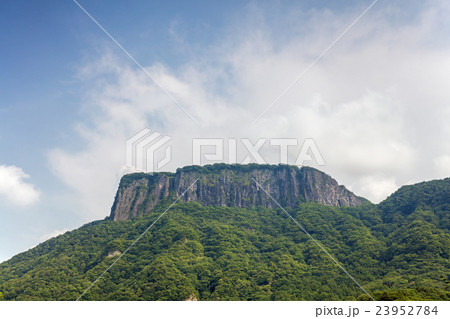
230, 185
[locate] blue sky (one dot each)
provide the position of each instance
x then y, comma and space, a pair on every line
45, 44
377, 103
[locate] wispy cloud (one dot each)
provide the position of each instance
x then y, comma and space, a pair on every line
53, 233
375, 105
15, 189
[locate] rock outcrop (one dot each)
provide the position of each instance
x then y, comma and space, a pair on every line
230, 185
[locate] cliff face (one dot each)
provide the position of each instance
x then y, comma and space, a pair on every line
230, 185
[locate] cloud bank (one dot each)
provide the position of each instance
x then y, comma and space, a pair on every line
377, 104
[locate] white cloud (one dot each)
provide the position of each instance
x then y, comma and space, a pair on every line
442, 164
375, 103
376, 187
52, 234
15, 189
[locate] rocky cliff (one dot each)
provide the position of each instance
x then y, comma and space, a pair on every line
230, 185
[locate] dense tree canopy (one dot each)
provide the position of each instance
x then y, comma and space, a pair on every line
398, 250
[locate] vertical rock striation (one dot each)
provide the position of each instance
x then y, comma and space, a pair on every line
230, 185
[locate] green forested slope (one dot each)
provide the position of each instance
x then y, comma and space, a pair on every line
398, 249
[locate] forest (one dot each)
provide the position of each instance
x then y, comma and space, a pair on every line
397, 250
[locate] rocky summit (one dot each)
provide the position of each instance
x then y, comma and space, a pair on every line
231, 186
226, 239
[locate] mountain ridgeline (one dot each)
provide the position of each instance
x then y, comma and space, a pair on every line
231, 186
226, 239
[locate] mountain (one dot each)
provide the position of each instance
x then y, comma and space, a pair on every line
225, 240
231, 186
